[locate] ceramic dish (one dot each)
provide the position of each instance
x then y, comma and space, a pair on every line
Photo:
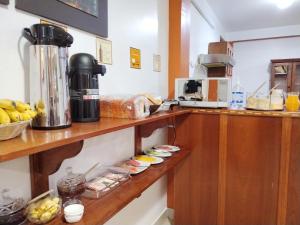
149, 159
133, 169
169, 148
158, 153
137, 163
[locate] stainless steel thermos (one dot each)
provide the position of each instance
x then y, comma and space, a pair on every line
49, 88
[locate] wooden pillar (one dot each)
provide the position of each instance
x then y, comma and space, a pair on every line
179, 41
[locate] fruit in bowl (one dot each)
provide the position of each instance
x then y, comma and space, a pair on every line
14, 118
44, 210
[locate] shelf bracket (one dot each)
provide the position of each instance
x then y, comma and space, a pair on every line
146, 130
46, 163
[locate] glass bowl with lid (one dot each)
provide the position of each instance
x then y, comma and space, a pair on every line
12, 210
72, 185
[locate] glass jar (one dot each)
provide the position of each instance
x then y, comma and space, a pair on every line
292, 102
71, 186
12, 210
277, 99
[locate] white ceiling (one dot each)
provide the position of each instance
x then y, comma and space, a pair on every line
237, 15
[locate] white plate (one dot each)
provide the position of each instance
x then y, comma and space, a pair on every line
169, 148
158, 153
140, 163
139, 170
157, 160
133, 169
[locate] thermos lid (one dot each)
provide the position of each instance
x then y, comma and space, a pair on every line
84, 61
48, 34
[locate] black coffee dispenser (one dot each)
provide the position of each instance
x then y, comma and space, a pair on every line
84, 88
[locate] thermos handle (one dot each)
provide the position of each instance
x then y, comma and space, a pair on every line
28, 35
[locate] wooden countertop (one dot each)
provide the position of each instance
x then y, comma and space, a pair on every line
34, 141
247, 112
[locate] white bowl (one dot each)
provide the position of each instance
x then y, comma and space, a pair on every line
74, 218
73, 213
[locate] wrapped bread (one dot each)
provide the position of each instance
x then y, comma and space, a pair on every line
127, 107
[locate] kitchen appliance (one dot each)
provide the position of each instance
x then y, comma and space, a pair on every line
215, 60
49, 89
84, 89
203, 92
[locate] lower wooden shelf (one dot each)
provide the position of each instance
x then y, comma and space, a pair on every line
101, 210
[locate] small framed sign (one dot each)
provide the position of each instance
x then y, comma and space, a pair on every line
104, 51
135, 58
156, 63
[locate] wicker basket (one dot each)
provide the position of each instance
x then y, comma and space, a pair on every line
12, 130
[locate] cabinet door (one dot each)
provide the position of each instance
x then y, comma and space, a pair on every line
293, 200
204, 138
296, 77
252, 170
282, 75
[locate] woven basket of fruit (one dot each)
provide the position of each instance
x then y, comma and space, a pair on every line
14, 118
12, 130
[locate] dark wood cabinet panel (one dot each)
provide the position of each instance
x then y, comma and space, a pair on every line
252, 165
293, 198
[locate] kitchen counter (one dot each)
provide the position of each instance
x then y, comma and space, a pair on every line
244, 168
247, 112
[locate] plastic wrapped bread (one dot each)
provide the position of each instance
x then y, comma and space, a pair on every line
128, 107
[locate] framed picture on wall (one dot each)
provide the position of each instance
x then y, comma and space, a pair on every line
104, 51
135, 58
87, 15
4, 2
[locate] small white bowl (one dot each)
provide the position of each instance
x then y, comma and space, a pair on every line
73, 213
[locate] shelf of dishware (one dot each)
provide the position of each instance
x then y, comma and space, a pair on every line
98, 211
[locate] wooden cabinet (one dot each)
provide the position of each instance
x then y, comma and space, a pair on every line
286, 73
220, 48
251, 170
293, 188
244, 169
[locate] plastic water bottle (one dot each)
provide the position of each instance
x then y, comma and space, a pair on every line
238, 97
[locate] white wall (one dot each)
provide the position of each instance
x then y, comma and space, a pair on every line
201, 34
132, 23
263, 33
253, 59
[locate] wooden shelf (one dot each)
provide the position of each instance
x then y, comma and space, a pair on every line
99, 211
35, 141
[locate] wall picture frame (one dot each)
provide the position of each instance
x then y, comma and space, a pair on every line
74, 13
4, 2
156, 63
135, 58
104, 51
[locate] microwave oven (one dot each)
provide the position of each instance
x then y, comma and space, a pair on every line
203, 92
